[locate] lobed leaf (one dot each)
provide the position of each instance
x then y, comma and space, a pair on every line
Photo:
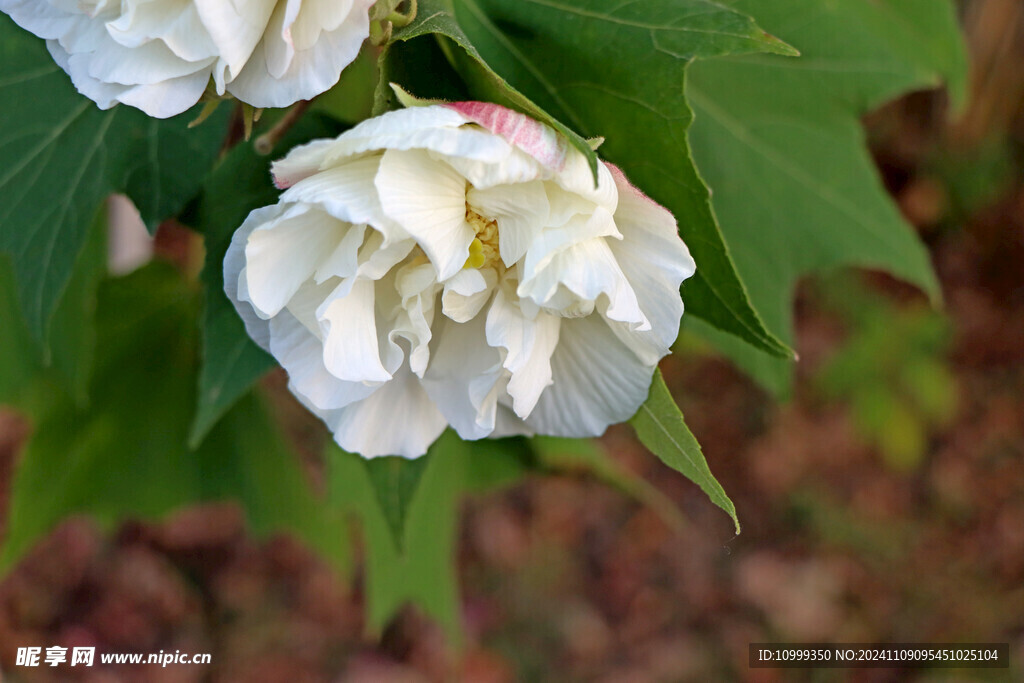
61, 157
780, 141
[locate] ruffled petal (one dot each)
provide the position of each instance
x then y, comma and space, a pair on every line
282, 72
235, 284
521, 211
300, 353
285, 252
428, 199
533, 137
301, 162
236, 27
598, 381
435, 128
655, 261
465, 377
528, 345
371, 427
345, 191
348, 326
466, 293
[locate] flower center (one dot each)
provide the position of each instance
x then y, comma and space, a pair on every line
483, 250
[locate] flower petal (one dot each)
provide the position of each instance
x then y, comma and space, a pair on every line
598, 381
300, 353
655, 261
467, 292
521, 211
369, 427
465, 377
533, 137
435, 128
282, 71
346, 191
528, 345
301, 162
428, 199
235, 282
349, 329
236, 27
285, 252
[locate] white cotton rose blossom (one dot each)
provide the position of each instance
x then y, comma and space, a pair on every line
160, 55
454, 264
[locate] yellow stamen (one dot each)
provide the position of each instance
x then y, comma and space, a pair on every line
483, 250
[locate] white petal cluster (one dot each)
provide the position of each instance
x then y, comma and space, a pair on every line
455, 265
160, 55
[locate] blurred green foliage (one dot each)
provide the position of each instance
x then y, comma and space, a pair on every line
891, 370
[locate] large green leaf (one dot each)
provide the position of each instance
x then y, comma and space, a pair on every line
419, 566
60, 157
780, 142
232, 362
435, 19
616, 69
660, 426
125, 455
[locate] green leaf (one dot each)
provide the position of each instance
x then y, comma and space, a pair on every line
31, 371
780, 142
61, 156
71, 339
660, 427
436, 18
616, 70
419, 567
232, 362
124, 455
395, 480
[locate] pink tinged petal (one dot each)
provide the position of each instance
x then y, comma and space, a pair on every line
428, 199
348, 326
369, 426
465, 377
435, 128
528, 345
282, 254
598, 381
466, 294
300, 353
521, 212
655, 261
301, 162
533, 137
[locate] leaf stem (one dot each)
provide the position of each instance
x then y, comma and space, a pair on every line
265, 143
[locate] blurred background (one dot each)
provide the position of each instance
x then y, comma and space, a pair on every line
883, 503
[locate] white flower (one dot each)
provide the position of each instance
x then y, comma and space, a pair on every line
159, 55
455, 265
